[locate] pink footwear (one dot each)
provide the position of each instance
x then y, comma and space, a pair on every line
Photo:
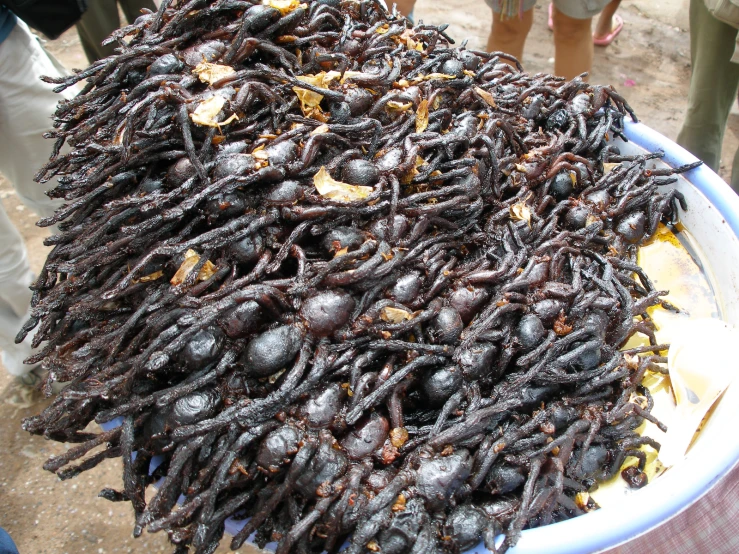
550, 22
608, 39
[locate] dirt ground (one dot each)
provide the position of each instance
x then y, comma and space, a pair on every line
649, 63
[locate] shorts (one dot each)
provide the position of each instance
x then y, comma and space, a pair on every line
576, 9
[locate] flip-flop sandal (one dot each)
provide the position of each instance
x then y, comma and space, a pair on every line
608, 39
550, 22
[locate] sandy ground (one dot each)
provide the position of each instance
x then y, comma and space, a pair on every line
649, 64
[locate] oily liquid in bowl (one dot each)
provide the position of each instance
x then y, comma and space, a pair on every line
672, 262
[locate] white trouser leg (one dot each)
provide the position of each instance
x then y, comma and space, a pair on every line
26, 107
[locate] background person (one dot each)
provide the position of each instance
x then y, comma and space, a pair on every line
571, 23
26, 106
609, 24
405, 7
607, 28
713, 88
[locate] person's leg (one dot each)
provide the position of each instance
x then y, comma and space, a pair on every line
735, 172
15, 296
405, 7
132, 8
508, 34
96, 24
26, 108
713, 85
573, 45
26, 105
604, 25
